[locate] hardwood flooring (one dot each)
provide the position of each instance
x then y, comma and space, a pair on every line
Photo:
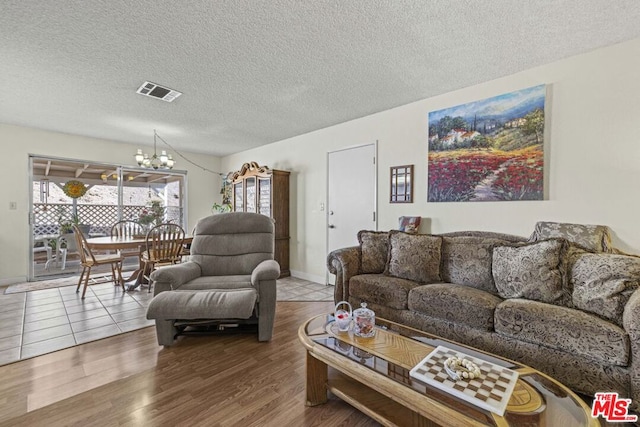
216, 380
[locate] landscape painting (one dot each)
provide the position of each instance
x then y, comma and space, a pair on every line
488, 150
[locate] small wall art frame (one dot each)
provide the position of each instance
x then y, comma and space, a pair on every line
401, 184
409, 224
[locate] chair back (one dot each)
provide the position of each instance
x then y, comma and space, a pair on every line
164, 243
127, 229
80, 245
232, 243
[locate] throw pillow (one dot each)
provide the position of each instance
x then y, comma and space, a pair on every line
603, 283
591, 237
374, 246
532, 271
414, 257
466, 260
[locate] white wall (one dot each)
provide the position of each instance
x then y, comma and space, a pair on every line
593, 167
18, 142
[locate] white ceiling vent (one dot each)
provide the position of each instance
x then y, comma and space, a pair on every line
156, 91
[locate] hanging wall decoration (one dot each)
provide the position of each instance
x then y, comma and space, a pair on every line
401, 184
74, 189
488, 150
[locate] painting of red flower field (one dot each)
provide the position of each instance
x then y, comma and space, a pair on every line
492, 149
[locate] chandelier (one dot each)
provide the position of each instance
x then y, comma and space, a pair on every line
163, 161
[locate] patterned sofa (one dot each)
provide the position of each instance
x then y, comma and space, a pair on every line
562, 301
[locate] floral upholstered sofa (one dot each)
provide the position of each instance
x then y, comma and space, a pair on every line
562, 301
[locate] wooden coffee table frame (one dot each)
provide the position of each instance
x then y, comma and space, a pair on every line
387, 400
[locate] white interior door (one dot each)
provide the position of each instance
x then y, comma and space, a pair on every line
351, 199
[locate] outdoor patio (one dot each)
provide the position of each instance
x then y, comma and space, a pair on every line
97, 220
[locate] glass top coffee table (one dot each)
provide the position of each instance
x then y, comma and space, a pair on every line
372, 374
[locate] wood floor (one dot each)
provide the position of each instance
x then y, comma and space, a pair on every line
128, 380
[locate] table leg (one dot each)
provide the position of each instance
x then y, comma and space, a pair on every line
316, 381
138, 274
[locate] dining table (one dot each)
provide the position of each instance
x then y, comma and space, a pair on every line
118, 243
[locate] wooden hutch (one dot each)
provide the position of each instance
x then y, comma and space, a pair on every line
265, 191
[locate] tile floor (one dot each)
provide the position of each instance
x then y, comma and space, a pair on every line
294, 289
40, 322
47, 320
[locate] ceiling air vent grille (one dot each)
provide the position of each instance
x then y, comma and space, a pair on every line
156, 91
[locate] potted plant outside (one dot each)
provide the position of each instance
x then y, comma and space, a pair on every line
151, 216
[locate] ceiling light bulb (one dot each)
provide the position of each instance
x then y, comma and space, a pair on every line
170, 162
163, 158
139, 157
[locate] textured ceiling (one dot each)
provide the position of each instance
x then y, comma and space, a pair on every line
254, 72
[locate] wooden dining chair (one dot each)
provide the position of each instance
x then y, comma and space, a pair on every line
164, 245
88, 260
129, 229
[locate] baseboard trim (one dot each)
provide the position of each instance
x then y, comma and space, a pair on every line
12, 280
310, 277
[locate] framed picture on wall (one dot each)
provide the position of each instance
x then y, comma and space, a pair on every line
401, 184
488, 150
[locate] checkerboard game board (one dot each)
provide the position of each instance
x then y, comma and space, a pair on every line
491, 391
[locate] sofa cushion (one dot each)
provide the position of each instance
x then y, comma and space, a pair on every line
592, 237
466, 260
374, 246
564, 329
455, 303
534, 271
380, 289
603, 283
414, 257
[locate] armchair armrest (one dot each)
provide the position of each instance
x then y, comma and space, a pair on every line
266, 270
263, 278
344, 263
173, 276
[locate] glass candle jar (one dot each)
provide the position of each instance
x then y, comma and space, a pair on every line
365, 320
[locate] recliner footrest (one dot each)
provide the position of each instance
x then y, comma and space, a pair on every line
211, 304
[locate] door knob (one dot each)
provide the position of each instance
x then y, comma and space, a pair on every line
332, 226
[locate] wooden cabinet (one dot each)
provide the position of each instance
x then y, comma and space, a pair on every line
265, 191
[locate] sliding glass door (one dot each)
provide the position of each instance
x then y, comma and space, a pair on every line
94, 196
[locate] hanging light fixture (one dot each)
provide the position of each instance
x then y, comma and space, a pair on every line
163, 161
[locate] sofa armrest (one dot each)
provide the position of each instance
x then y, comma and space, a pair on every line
344, 263
631, 324
266, 270
173, 276
631, 315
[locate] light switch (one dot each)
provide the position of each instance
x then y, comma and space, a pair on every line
321, 206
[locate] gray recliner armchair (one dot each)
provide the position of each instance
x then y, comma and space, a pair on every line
230, 277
